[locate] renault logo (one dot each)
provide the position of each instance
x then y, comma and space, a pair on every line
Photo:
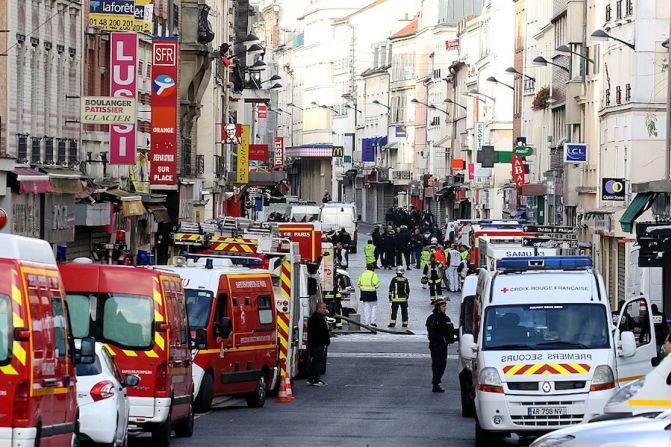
546, 387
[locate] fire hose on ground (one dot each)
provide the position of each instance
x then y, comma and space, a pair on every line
371, 329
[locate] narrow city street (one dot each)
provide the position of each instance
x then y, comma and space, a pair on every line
378, 393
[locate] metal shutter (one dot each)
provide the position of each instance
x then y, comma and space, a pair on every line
621, 271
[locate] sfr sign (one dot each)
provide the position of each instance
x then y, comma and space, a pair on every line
165, 54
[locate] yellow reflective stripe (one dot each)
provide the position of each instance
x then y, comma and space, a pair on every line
17, 321
47, 391
512, 371
209, 351
129, 353
8, 370
282, 324
250, 348
19, 352
649, 403
110, 350
533, 369
579, 368
16, 294
157, 316
158, 339
628, 379
560, 369
151, 354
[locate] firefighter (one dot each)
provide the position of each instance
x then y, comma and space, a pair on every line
333, 300
440, 331
369, 252
433, 275
399, 292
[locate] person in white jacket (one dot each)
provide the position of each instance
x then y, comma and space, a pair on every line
452, 264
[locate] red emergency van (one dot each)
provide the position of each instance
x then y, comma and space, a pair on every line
140, 315
232, 313
38, 400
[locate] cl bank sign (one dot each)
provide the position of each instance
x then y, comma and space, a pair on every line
575, 153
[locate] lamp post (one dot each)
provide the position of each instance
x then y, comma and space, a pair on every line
449, 101
540, 60
514, 71
433, 107
602, 35
496, 81
378, 103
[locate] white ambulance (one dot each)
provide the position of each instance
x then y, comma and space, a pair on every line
541, 346
492, 249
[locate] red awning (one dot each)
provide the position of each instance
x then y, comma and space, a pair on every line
32, 181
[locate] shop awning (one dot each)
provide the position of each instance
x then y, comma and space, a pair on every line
638, 206
160, 213
32, 181
131, 203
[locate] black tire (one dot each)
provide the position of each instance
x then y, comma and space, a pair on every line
483, 438
257, 398
184, 428
160, 435
203, 402
467, 395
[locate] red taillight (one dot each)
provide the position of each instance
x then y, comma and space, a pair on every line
102, 390
490, 388
602, 386
22, 403
162, 378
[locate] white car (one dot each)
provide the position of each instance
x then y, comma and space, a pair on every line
631, 432
102, 400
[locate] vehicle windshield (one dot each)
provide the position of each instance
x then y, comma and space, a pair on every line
5, 327
198, 306
546, 327
127, 320
305, 217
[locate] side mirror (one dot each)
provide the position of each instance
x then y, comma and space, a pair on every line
358, 217
627, 344
131, 380
87, 351
161, 326
201, 339
225, 327
468, 349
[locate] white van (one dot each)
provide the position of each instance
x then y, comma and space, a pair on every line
304, 213
335, 216
541, 348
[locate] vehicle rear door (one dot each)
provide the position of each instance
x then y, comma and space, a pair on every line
178, 363
635, 316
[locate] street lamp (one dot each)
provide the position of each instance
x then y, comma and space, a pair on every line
291, 104
349, 106
416, 101
476, 94
514, 71
449, 101
496, 81
274, 77
276, 86
602, 35
565, 49
540, 60
433, 107
257, 66
250, 39
378, 103
253, 49
323, 106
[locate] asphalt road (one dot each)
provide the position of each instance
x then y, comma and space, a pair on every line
378, 393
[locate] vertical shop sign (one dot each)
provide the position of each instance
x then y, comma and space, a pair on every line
279, 152
518, 171
123, 85
243, 155
163, 167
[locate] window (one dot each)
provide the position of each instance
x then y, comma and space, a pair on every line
49, 150
541, 326
609, 13
466, 314
82, 313
127, 321
92, 369
618, 9
59, 326
184, 320
627, 92
198, 307
265, 309
618, 95
629, 8
607, 96
72, 159
22, 154
221, 312
35, 150
636, 319
5, 328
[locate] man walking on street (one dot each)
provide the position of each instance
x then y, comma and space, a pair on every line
318, 339
369, 282
416, 244
453, 262
399, 291
440, 333
389, 242
403, 247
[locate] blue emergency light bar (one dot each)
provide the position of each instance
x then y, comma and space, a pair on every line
544, 263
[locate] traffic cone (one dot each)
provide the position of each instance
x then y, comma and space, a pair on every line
287, 382
282, 396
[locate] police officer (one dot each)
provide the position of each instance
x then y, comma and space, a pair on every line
369, 253
441, 333
433, 275
399, 291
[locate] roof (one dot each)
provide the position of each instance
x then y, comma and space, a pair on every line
26, 249
359, 11
407, 30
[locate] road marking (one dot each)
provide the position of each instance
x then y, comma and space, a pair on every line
383, 355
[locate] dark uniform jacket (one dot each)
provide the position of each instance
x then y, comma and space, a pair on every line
440, 328
318, 331
432, 270
399, 289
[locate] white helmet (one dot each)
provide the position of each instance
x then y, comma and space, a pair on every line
400, 270
434, 240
